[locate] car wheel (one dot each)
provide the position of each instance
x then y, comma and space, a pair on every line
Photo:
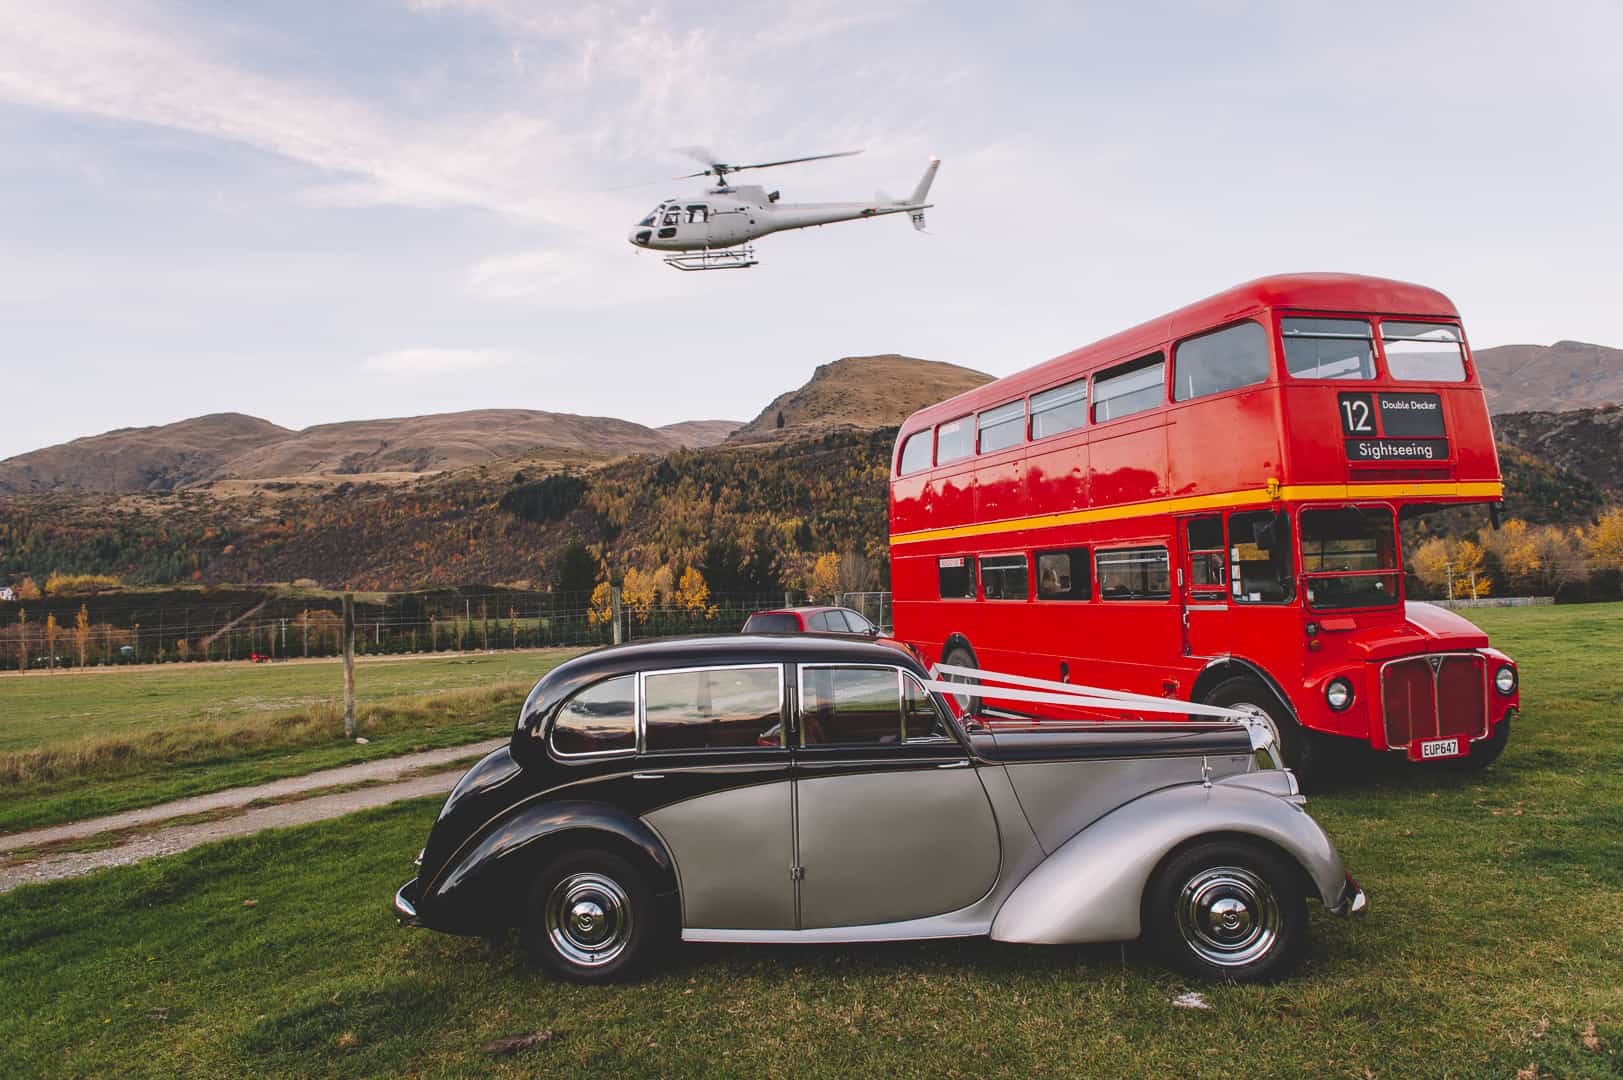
591, 918
1483, 753
1297, 746
1229, 911
960, 656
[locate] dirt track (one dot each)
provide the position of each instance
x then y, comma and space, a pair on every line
398, 783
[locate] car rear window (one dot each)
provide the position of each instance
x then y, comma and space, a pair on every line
771, 623
601, 719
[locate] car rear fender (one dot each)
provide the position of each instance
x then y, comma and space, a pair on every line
491, 873
1092, 887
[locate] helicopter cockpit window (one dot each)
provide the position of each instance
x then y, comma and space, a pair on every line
674, 216
698, 215
653, 216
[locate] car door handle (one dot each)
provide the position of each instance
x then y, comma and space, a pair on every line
648, 776
964, 764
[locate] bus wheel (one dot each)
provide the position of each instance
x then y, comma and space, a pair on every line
1296, 746
1483, 753
960, 656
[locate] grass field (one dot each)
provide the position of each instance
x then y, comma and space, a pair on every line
79, 745
1493, 947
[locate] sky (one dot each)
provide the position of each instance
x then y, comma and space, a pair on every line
312, 212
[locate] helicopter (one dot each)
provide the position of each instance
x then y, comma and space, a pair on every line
713, 231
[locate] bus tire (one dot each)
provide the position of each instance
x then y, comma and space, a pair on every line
1484, 752
1297, 746
962, 656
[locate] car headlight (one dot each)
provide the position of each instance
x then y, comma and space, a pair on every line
1504, 680
1339, 694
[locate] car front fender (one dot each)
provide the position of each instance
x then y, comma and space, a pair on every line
485, 882
1092, 887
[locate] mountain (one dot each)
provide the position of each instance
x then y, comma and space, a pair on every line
435, 443
699, 433
1540, 378
858, 392
139, 459
234, 447
1588, 442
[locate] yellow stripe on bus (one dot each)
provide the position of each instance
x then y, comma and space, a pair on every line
1288, 492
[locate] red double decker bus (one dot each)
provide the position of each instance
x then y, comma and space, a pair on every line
1207, 507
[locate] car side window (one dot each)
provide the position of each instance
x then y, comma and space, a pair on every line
714, 709
865, 706
818, 620
601, 719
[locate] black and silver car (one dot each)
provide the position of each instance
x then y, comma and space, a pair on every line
813, 789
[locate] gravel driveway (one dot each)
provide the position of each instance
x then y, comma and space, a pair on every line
393, 779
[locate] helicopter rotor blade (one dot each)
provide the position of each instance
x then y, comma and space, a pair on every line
795, 160
702, 154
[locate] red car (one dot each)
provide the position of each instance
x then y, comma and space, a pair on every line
809, 620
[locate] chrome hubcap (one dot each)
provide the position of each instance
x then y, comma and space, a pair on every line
1229, 916
588, 919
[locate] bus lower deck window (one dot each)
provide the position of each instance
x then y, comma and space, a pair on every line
956, 578
1143, 573
1003, 577
1203, 539
1260, 562
1064, 575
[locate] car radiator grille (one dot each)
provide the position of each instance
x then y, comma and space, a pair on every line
1438, 696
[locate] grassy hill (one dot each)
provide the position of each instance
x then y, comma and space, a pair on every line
1550, 378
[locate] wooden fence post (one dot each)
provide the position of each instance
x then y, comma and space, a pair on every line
349, 665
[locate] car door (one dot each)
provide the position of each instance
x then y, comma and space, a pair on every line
715, 767
892, 822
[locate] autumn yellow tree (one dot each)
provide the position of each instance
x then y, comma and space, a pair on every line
1604, 541
637, 593
27, 589
692, 594
81, 633
824, 578
602, 607
1450, 564
51, 632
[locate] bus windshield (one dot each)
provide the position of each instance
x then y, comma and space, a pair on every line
1350, 557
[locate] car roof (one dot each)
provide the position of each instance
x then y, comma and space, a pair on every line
734, 649
807, 610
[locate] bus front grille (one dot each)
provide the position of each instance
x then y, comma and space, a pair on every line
1442, 695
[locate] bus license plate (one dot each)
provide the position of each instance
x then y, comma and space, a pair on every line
1436, 748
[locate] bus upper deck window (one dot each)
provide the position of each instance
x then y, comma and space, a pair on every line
1226, 360
915, 453
1328, 348
1064, 408
1002, 427
1129, 388
955, 440
1423, 352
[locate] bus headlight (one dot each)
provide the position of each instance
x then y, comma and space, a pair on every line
1504, 680
1339, 694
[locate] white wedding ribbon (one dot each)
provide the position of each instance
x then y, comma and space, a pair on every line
1070, 694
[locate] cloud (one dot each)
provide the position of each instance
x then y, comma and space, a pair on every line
430, 361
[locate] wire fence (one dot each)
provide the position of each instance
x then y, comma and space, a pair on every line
272, 630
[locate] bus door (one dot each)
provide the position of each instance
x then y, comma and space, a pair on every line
1203, 574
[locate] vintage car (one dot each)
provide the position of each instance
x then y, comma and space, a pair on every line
814, 789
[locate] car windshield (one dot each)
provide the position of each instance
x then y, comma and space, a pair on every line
771, 623
1350, 557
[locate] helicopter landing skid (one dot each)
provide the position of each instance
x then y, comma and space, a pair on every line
736, 258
